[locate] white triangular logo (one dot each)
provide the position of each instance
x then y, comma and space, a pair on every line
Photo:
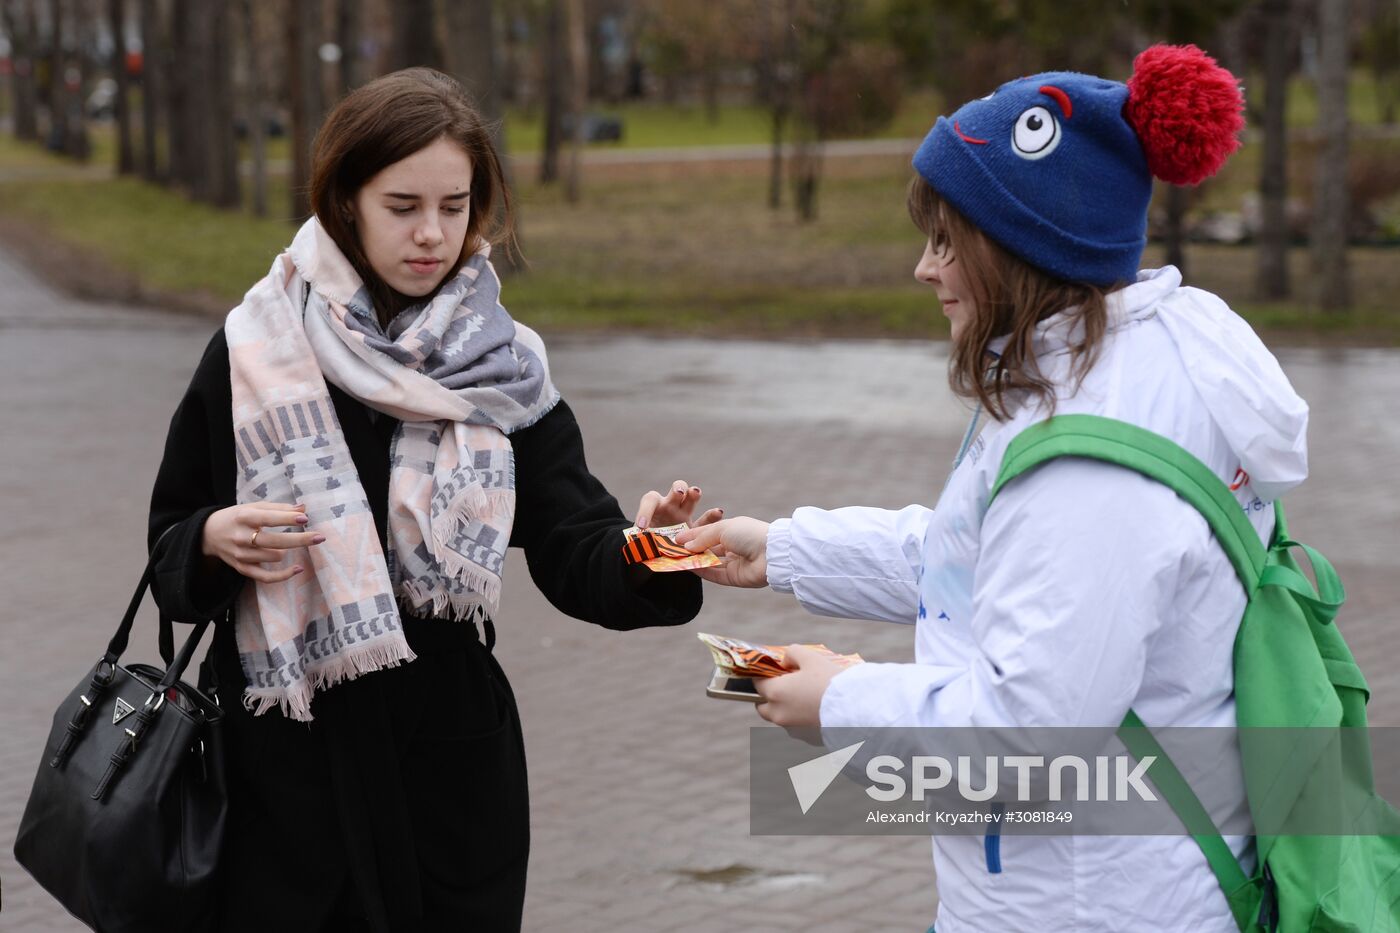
123, 709
811, 778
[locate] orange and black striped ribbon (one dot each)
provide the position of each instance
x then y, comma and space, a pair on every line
648, 545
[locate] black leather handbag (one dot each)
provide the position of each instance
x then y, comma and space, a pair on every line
126, 818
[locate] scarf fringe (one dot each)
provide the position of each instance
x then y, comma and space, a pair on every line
484, 593
483, 584
295, 701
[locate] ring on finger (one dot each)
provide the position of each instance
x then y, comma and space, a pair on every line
253, 542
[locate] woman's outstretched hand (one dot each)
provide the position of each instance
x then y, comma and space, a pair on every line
674, 507
242, 537
743, 540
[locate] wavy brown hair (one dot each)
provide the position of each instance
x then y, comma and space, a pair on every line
1011, 297
390, 119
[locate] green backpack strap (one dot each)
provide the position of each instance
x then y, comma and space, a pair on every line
1153, 456
1168, 463
1243, 898
1324, 601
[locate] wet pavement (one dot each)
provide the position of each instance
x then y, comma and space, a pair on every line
639, 782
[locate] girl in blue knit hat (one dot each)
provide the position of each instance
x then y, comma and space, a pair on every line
1083, 589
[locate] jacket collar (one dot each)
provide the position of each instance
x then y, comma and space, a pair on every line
1128, 305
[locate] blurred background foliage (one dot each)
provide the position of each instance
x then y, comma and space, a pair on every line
726, 167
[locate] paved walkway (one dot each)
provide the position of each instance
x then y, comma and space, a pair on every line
639, 783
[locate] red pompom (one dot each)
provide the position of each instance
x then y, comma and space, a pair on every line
1186, 110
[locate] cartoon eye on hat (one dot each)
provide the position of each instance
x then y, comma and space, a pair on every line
1037, 130
1036, 133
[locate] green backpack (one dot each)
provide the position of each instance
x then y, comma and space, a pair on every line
1292, 669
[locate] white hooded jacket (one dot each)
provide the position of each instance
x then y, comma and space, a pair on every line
1086, 589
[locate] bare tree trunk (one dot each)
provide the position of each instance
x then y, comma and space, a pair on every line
27, 125
1330, 208
350, 31
17, 17
780, 69
153, 75
1271, 281
223, 142
192, 57
555, 70
304, 88
775, 159
810, 128
79, 146
472, 59
57, 93
257, 117
126, 156
413, 32
578, 96
806, 172
175, 83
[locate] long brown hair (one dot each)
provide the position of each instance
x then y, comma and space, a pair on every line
385, 121
1011, 297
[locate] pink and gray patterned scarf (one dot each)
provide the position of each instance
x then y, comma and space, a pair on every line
460, 374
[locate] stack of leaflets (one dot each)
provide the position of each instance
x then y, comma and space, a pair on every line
737, 663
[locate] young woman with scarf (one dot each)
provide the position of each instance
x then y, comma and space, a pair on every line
361, 441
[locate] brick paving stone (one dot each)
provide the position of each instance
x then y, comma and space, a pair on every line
638, 781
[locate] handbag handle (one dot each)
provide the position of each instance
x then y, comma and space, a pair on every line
105, 673
118, 644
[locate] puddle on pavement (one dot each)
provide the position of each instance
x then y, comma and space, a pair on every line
746, 876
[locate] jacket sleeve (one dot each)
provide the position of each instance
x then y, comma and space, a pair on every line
1079, 564
852, 563
195, 479
571, 531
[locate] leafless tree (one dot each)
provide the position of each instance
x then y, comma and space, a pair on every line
556, 71
155, 70
18, 22
116, 18
77, 70
413, 34
254, 106
304, 89
220, 108
56, 93
578, 96
1330, 208
778, 63
181, 140
824, 25
350, 31
1271, 281
471, 57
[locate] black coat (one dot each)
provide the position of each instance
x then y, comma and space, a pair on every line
403, 805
